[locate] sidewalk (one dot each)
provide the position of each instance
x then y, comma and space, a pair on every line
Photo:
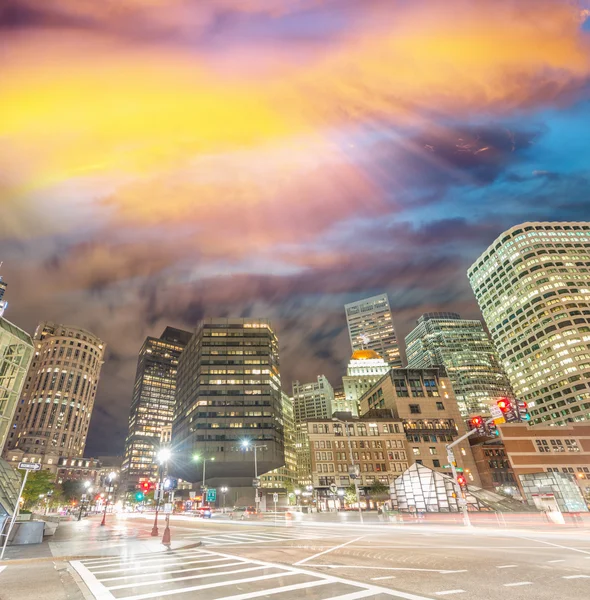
42, 570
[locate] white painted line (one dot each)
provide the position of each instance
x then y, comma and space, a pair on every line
448, 592
301, 562
208, 586
558, 560
166, 581
381, 578
2, 568
506, 566
279, 590
353, 595
176, 571
576, 577
140, 556
96, 588
162, 558
443, 572
558, 545
518, 583
142, 567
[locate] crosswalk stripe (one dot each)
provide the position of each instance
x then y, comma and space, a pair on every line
353, 595
144, 558
280, 590
139, 567
241, 562
209, 586
200, 576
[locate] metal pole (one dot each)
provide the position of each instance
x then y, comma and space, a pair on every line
15, 513
204, 468
104, 515
356, 485
159, 486
256, 500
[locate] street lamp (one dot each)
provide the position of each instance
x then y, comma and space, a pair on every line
163, 456
246, 444
224, 491
111, 476
197, 458
356, 485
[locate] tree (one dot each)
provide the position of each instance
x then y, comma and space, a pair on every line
72, 490
379, 491
350, 494
38, 482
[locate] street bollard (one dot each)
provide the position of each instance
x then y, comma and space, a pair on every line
166, 536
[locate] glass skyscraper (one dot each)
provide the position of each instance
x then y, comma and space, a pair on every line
465, 349
228, 391
533, 288
152, 407
370, 327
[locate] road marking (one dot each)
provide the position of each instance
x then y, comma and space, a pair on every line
390, 568
518, 583
506, 566
176, 571
558, 545
172, 579
558, 560
301, 562
380, 578
142, 567
447, 592
2, 569
576, 576
280, 590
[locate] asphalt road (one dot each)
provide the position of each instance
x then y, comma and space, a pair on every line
321, 561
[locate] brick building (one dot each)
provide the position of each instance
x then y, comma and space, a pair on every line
549, 449
493, 465
424, 401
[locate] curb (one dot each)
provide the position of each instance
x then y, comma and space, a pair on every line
24, 561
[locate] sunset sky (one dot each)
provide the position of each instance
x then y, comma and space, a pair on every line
165, 160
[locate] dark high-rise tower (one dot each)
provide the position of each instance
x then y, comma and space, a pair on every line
152, 407
228, 390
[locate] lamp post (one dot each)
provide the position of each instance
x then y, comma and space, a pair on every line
111, 476
356, 485
246, 444
197, 458
224, 491
163, 457
297, 494
87, 489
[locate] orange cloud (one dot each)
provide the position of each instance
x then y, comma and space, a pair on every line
77, 103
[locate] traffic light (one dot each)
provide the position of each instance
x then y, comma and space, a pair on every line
145, 486
462, 481
139, 496
523, 410
504, 405
476, 422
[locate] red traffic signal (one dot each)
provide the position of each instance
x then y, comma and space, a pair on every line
145, 486
461, 480
476, 422
504, 405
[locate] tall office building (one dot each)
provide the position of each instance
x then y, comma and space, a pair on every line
285, 477
54, 412
16, 353
3, 303
370, 326
365, 368
465, 349
152, 407
228, 390
313, 400
533, 288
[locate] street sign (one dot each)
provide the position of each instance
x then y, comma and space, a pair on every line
275, 497
446, 466
497, 415
333, 488
256, 483
29, 466
168, 508
211, 495
192, 494
459, 470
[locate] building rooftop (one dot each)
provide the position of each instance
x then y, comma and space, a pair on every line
365, 355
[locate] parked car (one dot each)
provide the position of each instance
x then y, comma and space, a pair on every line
245, 512
204, 512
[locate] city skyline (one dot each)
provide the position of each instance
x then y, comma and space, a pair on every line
213, 185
